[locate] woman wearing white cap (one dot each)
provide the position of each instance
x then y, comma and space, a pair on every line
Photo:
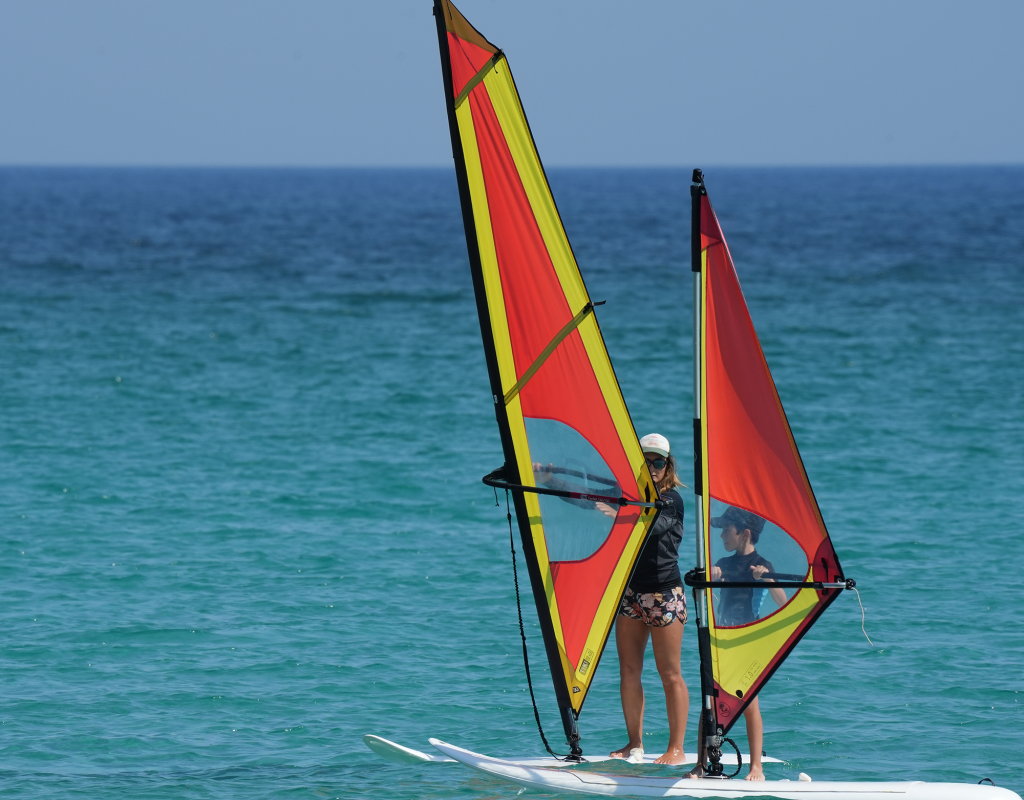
654, 607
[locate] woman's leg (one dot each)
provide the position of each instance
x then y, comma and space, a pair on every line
755, 738
630, 642
668, 642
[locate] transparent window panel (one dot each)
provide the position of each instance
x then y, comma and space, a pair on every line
564, 460
775, 557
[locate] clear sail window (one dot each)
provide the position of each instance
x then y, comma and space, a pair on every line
767, 554
563, 459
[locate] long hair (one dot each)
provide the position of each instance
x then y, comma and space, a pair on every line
671, 479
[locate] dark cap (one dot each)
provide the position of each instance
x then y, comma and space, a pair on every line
741, 519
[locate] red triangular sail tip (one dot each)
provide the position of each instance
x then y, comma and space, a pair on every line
468, 48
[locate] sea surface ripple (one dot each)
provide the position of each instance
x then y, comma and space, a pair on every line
244, 415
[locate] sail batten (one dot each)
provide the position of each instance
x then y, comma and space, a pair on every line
562, 418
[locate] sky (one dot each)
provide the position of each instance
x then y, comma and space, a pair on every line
326, 83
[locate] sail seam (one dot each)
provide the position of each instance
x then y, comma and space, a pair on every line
569, 327
475, 80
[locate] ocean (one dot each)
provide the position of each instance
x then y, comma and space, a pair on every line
244, 415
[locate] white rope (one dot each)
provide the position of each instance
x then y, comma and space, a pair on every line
862, 618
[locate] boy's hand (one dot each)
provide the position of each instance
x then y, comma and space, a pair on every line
759, 570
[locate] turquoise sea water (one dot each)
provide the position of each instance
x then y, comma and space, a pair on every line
243, 421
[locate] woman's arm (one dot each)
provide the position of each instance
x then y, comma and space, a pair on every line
544, 475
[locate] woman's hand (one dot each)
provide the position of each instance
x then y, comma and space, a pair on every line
716, 573
607, 510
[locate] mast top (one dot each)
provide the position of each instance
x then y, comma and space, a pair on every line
698, 178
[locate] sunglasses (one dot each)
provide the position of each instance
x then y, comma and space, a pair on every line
657, 463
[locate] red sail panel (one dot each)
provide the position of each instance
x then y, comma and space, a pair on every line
747, 417
755, 480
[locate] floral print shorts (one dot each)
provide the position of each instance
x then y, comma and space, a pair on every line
656, 609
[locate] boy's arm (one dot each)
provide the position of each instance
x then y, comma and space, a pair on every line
778, 595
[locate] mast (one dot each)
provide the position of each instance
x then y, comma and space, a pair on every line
510, 470
710, 752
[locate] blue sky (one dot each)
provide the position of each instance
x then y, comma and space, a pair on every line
661, 82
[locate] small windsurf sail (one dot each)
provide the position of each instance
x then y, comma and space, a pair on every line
584, 499
749, 475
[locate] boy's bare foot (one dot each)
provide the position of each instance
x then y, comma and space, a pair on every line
756, 773
627, 751
673, 756
696, 772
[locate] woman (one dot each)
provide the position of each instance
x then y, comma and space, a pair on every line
654, 606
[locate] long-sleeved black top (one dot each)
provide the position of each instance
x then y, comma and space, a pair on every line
657, 568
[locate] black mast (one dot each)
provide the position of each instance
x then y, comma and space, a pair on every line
511, 469
710, 734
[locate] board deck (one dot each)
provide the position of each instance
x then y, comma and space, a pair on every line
580, 782
401, 754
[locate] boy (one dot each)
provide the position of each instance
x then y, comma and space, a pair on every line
740, 532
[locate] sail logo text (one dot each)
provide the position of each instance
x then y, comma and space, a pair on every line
752, 672
588, 659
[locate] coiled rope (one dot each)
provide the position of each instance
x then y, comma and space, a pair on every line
739, 757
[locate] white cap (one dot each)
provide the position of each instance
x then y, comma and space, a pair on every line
655, 443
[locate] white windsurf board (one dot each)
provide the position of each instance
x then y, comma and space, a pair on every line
401, 754
580, 782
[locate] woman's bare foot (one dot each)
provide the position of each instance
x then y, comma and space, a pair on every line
756, 773
673, 756
627, 751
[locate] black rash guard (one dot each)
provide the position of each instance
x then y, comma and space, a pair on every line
740, 606
657, 568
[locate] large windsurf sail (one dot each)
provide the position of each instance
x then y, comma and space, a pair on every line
749, 476
584, 499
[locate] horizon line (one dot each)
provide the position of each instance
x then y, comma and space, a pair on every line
324, 167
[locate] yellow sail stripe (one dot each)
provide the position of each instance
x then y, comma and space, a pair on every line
508, 110
704, 472
506, 362
705, 476
485, 243
750, 649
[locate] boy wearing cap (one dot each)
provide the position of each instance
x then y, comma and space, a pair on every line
740, 532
